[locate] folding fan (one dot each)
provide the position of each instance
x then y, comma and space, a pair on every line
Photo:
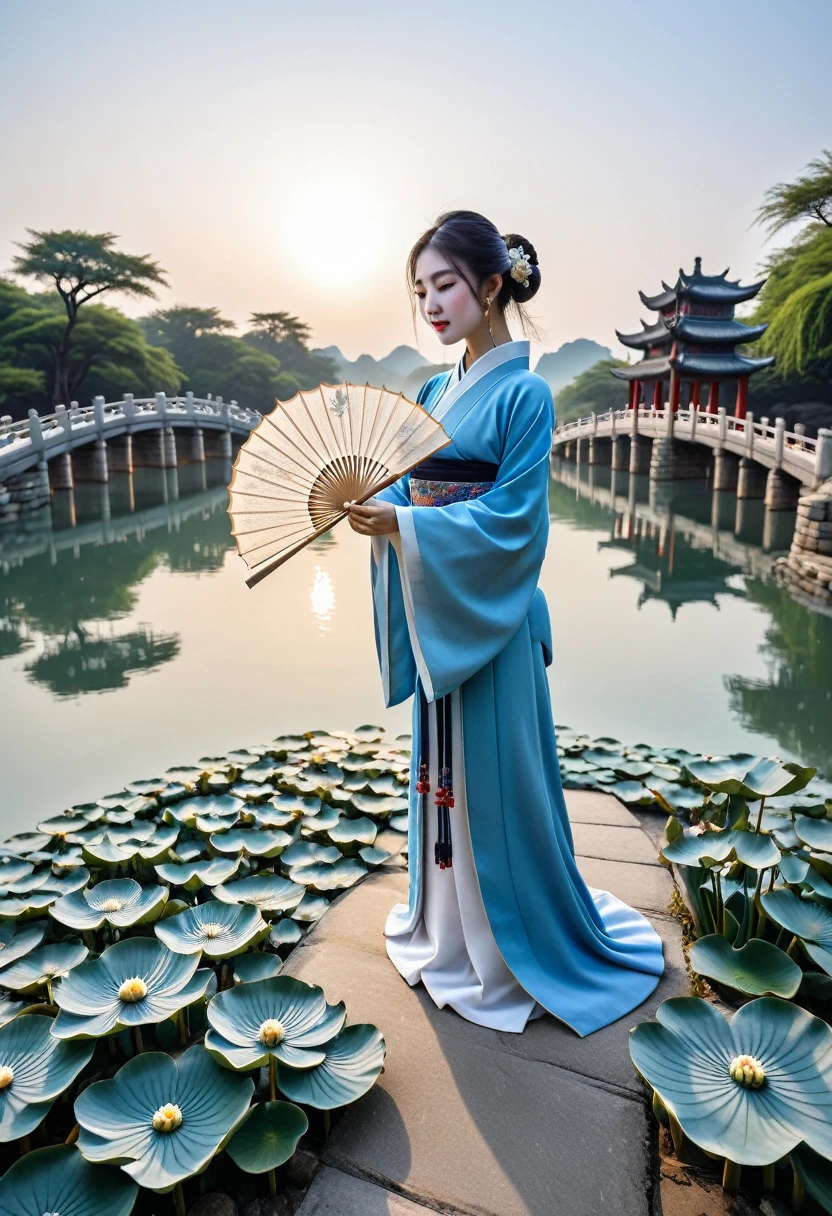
330, 445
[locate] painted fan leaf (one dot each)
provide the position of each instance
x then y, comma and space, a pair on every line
313, 453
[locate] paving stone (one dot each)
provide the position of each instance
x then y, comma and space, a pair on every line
456, 1121
614, 843
334, 1193
356, 918
605, 1054
591, 806
647, 888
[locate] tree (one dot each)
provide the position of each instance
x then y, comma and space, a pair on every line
280, 327
796, 300
81, 265
285, 338
594, 391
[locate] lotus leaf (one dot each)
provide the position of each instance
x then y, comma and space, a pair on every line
268, 1137
220, 930
256, 966
323, 820
693, 847
758, 968
13, 871
147, 786
65, 884
318, 778
118, 901
344, 873
271, 817
303, 852
281, 1017
23, 906
816, 833
752, 777
111, 852
348, 831
162, 1119
268, 892
251, 842
16, 941
193, 875
374, 856
9, 1008
285, 932
399, 822
34, 1069
173, 792
259, 772
793, 869
311, 907
133, 983
214, 807
187, 850
351, 1065
25, 843
41, 966
815, 881
750, 1089
815, 1174
251, 791
806, 919
55, 1181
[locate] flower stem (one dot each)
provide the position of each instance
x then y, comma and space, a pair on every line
272, 1077
798, 1193
792, 945
183, 1031
89, 938
760, 816
73, 1135
768, 1177
179, 1200
139, 1043
272, 1183
24, 1145
731, 1176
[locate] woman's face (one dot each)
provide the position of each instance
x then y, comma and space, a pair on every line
445, 300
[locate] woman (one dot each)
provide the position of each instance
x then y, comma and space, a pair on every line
499, 923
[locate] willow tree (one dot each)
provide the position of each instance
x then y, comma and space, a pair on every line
796, 300
81, 265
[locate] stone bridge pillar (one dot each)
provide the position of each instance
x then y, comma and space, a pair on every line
191, 445
620, 453
121, 454
641, 451
600, 450
782, 491
751, 479
726, 470
89, 463
807, 571
60, 472
154, 449
26, 492
218, 445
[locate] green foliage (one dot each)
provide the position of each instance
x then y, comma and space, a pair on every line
809, 197
594, 391
285, 338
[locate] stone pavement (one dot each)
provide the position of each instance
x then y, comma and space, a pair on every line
480, 1122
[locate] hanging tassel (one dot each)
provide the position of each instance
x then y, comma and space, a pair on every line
443, 852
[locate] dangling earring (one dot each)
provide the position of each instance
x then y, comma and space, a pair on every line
488, 319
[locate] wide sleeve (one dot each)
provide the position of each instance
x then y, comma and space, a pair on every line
468, 571
395, 655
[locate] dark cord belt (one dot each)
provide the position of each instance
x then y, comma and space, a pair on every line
442, 850
449, 469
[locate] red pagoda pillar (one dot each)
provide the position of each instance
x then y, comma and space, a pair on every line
657, 395
713, 397
694, 395
631, 400
742, 397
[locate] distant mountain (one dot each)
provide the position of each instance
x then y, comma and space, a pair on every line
393, 371
562, 366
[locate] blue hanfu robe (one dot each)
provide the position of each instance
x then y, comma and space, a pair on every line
456, 604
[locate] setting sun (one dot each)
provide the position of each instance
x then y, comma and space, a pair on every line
335, 228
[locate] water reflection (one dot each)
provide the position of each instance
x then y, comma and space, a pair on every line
70, 575
322, 599
686, 545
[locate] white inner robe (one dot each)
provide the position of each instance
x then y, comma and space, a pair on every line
452, 949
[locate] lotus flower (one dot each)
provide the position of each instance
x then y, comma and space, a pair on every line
162, 1119
52, 1181
34, 1069
268, 892
282, 1017
749, 1090
118, 901
42, 966
135, 982
219, 929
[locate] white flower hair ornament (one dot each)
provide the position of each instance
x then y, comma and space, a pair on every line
521, 267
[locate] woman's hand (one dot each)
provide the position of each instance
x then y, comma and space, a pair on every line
372, 518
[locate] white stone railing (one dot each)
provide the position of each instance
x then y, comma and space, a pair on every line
809, 460
41, 436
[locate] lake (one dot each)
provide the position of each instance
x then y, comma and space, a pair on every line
129, 641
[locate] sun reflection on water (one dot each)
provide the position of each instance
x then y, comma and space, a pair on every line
322, 599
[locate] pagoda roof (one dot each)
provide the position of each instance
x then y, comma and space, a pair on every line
716, 331
664, 299
651, 335
698, 365
657, 368
713, 288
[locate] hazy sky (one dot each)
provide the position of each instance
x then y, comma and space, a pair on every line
286, 156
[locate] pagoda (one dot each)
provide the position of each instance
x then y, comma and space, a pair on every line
693, 342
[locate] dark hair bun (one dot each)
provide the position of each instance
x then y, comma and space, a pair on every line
518, 292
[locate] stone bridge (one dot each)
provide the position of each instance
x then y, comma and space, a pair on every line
89, 443
758, 459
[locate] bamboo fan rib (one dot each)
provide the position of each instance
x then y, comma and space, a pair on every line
312, 454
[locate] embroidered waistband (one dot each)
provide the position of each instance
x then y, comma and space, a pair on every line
435, 468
